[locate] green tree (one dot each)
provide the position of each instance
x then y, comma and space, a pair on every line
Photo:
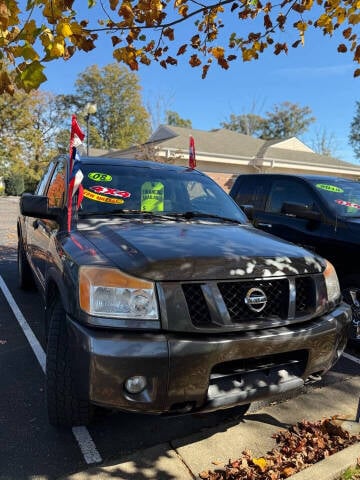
38, 31
248, 124
14, 120
173, 118
120, 119
354, 136
66, 105
286, 120
28, 124
14, 184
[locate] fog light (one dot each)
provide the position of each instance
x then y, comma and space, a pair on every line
135, 384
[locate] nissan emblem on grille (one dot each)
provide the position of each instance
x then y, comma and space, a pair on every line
256, 299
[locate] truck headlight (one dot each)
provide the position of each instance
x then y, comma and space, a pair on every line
332, 283
107, 292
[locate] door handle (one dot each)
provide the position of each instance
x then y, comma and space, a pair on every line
267, 225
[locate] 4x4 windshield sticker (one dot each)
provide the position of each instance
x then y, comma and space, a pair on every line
152, 197
100, 177
347, 204
114, 192
329, 188
102, 198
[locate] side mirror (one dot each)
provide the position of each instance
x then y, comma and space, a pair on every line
37, 206
248, 210
300, 210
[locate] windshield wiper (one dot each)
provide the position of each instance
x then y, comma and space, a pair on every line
166, 216
191, 214
117, 211
124, 211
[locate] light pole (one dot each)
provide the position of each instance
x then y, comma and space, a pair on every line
90, 109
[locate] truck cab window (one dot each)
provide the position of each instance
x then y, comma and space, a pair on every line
56, 190
288, 191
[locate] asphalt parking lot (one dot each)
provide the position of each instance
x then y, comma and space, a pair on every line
30, 448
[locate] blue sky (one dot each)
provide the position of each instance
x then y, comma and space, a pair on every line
314, 75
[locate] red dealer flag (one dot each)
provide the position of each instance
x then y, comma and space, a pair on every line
75, 174
192, 158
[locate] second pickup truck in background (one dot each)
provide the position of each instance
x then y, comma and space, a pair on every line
321, 213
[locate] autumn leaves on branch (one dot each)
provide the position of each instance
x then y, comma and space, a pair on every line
144, 31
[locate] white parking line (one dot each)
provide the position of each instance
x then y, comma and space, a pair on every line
356, 360
351, 357
33, 341
81, 434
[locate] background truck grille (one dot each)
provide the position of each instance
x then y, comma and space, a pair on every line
281, 306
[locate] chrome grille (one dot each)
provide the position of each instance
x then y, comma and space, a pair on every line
287, 299
277, 292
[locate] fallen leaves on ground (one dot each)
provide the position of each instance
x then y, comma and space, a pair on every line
298, 447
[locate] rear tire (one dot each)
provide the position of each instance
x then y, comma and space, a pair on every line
65, 407
25, 276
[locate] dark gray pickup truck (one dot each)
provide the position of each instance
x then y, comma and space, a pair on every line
160, 296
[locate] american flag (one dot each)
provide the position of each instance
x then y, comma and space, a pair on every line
192, 158
75, 174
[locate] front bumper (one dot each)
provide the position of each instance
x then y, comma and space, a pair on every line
203, 372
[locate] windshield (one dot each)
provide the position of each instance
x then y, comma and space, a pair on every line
118, 189
343, 196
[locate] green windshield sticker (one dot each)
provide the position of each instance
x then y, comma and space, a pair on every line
100, 177
329, 188
152, 197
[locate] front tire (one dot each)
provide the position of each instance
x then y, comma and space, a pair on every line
64, 405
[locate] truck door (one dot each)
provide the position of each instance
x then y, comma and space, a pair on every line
303, 231
40, 230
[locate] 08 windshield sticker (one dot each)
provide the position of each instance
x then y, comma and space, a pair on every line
329, 188
113, 192
101, 198
100, 177
347, 204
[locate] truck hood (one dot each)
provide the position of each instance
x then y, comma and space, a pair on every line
353, 220
182, 251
